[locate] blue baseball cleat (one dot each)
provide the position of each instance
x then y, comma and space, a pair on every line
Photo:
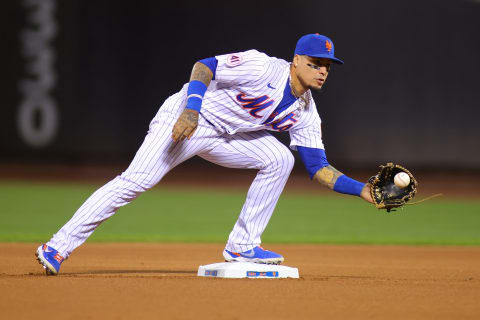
257, 255
49, 258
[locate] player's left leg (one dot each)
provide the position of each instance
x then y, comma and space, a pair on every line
254, 150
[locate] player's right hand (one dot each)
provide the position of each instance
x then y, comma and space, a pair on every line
185, 126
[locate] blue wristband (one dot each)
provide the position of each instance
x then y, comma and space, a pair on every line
195, 92
347, 185
194, 103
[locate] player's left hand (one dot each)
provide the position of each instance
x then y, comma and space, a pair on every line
365, 193
185, 126
386, 194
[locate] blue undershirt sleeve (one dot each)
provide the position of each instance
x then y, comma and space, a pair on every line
313, 158
211, 63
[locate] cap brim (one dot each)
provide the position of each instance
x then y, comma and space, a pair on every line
336, 60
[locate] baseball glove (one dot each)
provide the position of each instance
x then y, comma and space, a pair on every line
385, 194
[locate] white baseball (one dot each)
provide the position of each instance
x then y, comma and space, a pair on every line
401, 180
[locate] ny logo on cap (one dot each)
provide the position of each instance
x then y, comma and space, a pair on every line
328, 45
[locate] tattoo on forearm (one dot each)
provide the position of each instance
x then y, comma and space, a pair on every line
328, 176
201, 73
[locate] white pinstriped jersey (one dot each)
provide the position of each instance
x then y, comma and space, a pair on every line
248, 87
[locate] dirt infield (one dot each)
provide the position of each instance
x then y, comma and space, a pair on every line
158, 281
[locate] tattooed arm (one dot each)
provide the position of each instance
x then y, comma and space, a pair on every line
328, 176
188, 121
201, 73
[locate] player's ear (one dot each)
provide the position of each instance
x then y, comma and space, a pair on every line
295, 60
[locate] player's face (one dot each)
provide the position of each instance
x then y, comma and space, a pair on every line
312, 72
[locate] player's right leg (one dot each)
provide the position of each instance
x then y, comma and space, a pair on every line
157, 155
146, 169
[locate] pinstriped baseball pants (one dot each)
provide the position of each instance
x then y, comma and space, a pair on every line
159, 154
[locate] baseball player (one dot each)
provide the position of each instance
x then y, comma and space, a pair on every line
223, 115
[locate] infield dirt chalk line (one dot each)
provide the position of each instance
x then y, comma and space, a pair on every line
247, 270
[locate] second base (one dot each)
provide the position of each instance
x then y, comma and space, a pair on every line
247, 270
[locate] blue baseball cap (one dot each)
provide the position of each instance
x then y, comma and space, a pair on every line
318, 46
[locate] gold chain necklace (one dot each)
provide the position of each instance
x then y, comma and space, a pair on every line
293, 90
303, 99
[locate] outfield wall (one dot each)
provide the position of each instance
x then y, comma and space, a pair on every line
82, 79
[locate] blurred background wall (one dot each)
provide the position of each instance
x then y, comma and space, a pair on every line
81, 80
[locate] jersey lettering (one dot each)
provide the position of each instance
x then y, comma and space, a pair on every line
284, 124
255, 105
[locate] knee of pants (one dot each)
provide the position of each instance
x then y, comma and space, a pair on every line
283, 162
129, 187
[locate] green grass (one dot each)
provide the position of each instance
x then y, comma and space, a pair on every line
34, 211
